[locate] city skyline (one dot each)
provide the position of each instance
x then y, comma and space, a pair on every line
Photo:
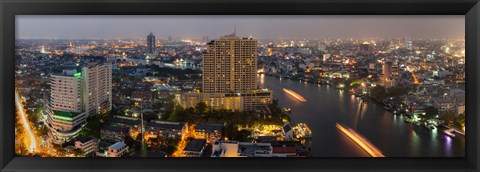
261, 27
238, 95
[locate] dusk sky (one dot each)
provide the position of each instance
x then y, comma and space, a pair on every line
98, 27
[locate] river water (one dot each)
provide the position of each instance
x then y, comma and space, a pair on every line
327, 106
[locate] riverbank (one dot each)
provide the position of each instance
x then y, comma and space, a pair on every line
326, 106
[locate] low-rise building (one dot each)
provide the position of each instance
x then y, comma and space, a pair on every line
287, 131
225, 148
284, 152
166, 129
114, 133
209, 131
118, 149
443, 103
459, 105
87, 145
124, 121
242, 100
247, 149
232, 148
194, 148
145, 97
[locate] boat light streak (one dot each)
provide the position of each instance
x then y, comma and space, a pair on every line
362, 142
295, 95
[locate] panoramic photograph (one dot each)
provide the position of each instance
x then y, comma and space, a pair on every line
239, 86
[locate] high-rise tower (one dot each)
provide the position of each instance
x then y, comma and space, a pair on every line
76, 95
150, 43
230, 65
229, 76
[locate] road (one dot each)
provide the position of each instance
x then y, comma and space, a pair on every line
26, 125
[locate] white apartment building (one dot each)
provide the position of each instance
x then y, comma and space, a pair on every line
97, 87
76, 95
65, 112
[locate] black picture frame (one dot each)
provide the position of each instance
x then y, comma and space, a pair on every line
10, 8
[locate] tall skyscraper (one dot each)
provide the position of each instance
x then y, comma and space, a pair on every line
150, 43
230, 65
97, 88
229, 76
76, 95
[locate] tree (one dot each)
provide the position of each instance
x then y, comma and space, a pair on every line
460, 121
78, 152
38, 112
130, 141
201, 107
448, 118
378, 92
430, 112
243, 135
150, 116
177, 111
93, 126
397, 91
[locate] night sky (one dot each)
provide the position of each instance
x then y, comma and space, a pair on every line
357, 27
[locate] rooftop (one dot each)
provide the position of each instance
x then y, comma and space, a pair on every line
121, 120
69, 72
116, 129
284, 150
195, 145
210, 126
166, 124
117, 145
254, 149
287, 128
85, 139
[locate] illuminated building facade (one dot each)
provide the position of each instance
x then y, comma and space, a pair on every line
65, 111
76, 95
229, 76
230, 65
97, 88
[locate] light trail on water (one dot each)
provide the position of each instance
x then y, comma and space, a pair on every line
360, 141
295, 95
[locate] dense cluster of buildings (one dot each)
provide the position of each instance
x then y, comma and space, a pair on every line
231, 148
432, 71
58, 78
